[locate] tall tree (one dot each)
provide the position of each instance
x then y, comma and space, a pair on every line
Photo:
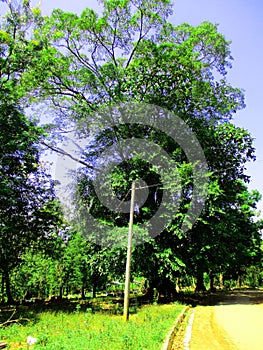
28, 207
131, 53
29, 211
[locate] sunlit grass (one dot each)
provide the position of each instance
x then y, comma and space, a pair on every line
147, 329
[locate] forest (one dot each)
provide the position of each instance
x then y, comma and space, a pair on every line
112, 82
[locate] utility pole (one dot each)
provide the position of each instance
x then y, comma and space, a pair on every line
128, 259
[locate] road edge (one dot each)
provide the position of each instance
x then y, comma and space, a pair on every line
167, 345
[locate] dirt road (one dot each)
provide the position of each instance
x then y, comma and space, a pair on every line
234, 322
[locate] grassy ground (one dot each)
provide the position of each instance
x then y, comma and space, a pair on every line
58, 329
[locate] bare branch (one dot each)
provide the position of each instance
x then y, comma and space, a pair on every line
141, 35
12, 321
64, 153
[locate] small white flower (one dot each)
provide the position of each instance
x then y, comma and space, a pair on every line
30, 340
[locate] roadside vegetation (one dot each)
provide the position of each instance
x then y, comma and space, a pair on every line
62, 329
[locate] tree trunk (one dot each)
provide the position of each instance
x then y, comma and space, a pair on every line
240, 281
3, 288
60, 292
200, 286
94, 288
6, 276
260, 280
211, 281
222, 282
167, 289
83, 292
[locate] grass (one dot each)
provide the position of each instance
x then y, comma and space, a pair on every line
62, 330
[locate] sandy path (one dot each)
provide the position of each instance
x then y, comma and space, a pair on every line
235, 324
207, 334
243, 322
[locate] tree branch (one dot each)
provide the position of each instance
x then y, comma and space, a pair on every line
64, 153
141, 36
12, 321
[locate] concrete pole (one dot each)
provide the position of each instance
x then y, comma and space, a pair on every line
128, 259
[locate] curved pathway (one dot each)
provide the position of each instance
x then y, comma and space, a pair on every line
236, 323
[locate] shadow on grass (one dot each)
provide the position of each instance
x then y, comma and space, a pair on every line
10, 315
30, 311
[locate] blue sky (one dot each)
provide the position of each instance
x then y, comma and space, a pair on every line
241, 21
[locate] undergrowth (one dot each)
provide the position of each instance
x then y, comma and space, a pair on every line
62, 330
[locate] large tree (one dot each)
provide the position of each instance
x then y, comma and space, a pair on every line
29, 211
131, 53
28, 207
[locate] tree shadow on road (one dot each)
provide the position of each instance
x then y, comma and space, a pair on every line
231, 297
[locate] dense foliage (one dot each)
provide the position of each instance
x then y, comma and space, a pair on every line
29, 212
